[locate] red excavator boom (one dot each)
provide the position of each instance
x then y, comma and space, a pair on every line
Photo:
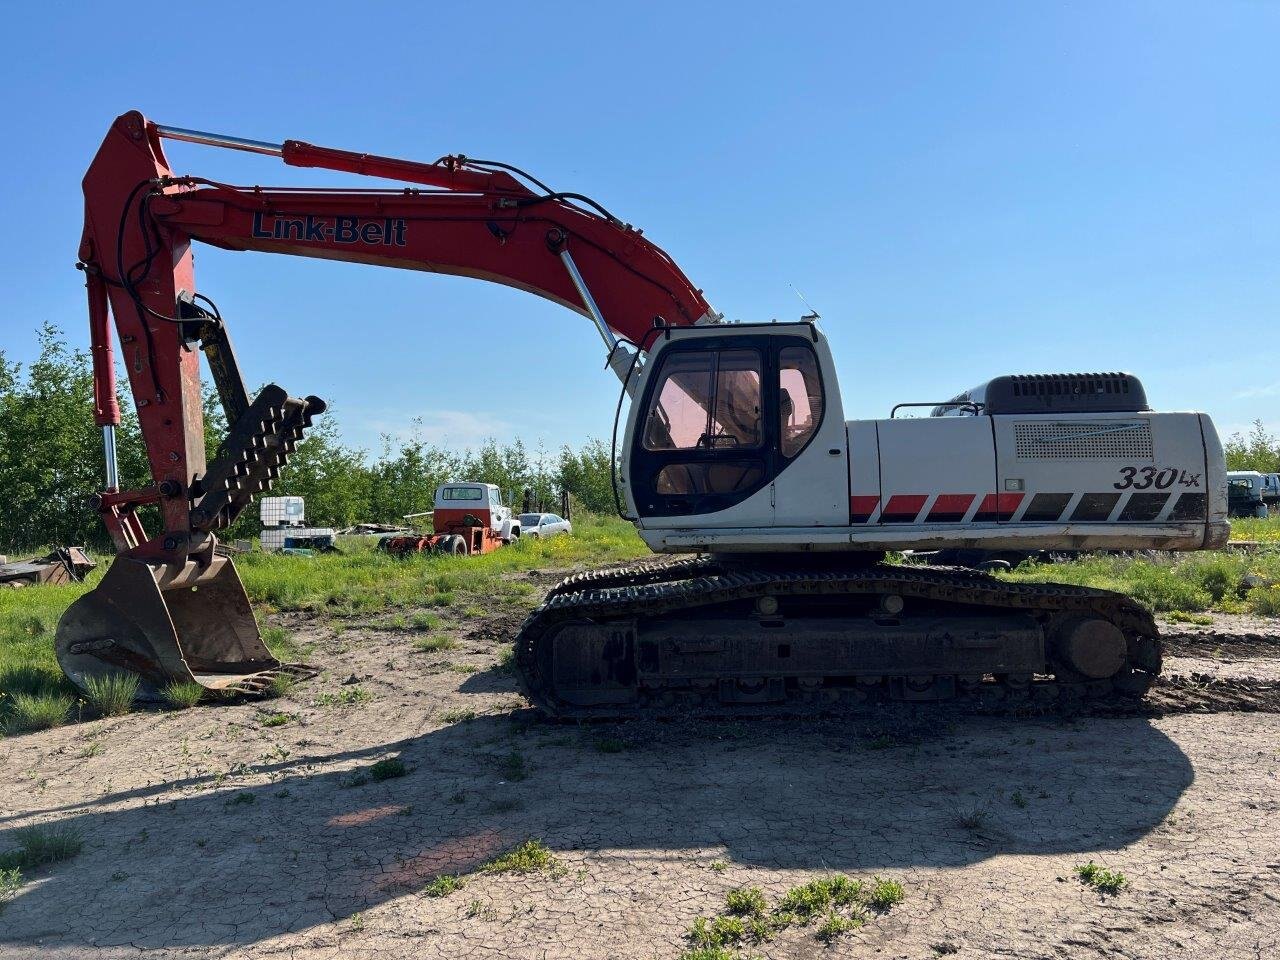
468, 217
477, 219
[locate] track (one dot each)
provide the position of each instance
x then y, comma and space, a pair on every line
606, 602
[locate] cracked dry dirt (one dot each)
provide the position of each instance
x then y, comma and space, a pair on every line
208, 833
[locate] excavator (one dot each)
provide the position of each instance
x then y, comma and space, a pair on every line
735, 452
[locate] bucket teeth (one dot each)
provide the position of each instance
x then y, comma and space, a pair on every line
254, 454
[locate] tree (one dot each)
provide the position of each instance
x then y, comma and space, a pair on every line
1260, 450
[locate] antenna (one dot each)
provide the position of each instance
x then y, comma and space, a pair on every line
813, 314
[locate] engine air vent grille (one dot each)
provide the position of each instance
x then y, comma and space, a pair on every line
1091, 440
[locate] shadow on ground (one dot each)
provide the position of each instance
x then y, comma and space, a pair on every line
193, 863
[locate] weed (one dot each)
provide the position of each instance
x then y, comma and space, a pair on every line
425, 621
119, 875
458, 716
280, 642
459, 797
241, 799
10, 881
478, 909
38, 846
809, 899
111, 695
347, 697
443, 885
707, 953
506, 658
91, 749
355, 780
181, 694
530, 857
387, 769
973, 817
503, 805
514, 767
357, 922
1100, 878
745, 901
835, 924
463, 668
282, 684
885, 893
610, 745
1018, 800
282, 794
944, 948
278, 719
37, 711
1181, 616
717, 932
719, 866
433, 644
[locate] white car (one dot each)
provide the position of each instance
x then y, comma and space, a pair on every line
543, 525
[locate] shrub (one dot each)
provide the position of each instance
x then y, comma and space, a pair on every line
111, 695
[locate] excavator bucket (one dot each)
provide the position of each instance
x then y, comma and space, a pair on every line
166, 623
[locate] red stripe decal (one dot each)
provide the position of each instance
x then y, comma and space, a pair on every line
909, 505
998, 505
950, 507
861, 508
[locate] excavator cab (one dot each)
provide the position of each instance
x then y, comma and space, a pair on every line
726, 414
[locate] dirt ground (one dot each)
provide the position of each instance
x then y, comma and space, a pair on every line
210, 833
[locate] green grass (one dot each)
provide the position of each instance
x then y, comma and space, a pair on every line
38, 846
1181, 616
1100, 878
364, 579
181, 695
530, 857
434, 643
1255, 528
37, 711
112, 694
278, 719
1187, 583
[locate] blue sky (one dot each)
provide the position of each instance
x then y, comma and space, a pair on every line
961, 190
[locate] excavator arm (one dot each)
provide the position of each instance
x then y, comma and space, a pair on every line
170, 609
465, 217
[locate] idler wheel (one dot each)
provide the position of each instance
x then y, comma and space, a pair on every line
1092, 647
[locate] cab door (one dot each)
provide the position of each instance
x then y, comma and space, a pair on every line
740, 430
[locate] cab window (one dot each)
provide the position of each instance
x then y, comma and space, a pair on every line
707, 401
799, 398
